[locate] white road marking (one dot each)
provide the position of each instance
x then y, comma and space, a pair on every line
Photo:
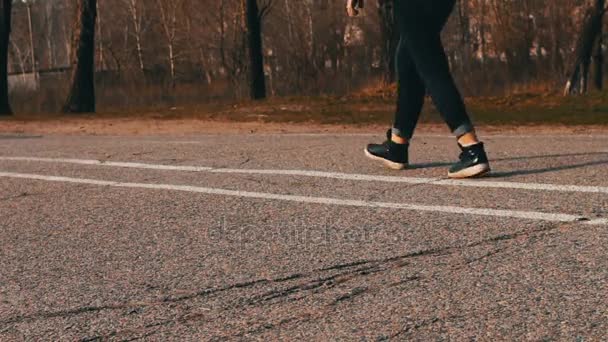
528, 215
94, 162
331, 175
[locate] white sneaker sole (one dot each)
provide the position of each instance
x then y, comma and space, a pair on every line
473, 171
387, 163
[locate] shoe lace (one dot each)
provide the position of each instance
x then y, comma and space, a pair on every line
389, 135
467, 155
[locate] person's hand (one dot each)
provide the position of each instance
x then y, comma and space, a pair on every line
353, 7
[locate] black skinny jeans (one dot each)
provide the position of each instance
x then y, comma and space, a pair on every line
423, 65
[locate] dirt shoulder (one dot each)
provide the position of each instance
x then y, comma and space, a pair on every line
176, 127
357, 114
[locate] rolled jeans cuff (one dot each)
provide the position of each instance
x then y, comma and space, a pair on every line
402, 134
463, 129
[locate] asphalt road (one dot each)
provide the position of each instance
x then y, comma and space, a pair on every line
270, 236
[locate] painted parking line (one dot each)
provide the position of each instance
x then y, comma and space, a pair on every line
515, 214
330, 175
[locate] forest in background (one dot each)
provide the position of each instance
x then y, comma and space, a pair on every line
179, 52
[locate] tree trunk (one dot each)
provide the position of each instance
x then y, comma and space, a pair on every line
390, 39
5, 31
257, 82
172, 65
102, 59
137, 27
465, 35
557, 60
577, 83
32, 47
482, 33
82, 94
598, 58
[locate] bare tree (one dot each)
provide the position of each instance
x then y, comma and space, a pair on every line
257, 81
169, 11
390, 39
136, 9
464, 22
5, 31
82, 94
231, 49
592, 26
101, 59
232, 41
598, 58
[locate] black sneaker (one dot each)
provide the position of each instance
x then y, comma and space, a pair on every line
473, 162
391, 154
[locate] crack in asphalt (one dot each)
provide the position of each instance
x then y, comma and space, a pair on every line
21, 195
210, 291
311, 286
351, 294
349, 271
398, 263
485, 256
406, 280
342, 266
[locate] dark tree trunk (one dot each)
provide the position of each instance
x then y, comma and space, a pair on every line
465, 35
390, 39
5, 32
598, 58
592, 26
257, 82
82, 94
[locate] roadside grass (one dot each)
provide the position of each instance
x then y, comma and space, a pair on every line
372, 108
532, 109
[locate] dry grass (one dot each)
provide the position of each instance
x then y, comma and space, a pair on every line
370, 106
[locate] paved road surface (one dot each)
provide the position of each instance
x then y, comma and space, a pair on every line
270, 236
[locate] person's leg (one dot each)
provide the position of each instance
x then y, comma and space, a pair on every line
410, 88
394, 151
420, 26
410, 99
421, 22
410, 96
